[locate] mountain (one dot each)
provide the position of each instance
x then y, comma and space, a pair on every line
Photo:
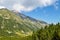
15, 24
27, 17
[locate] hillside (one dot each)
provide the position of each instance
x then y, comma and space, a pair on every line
17, 25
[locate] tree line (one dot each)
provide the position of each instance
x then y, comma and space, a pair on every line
51, 32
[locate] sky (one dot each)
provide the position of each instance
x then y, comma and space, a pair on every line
45, 10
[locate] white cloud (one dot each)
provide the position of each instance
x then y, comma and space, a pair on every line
47, 2
19, 7
1, 1
27, 5
2, 7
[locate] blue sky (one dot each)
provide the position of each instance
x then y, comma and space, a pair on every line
46, 10
48, 14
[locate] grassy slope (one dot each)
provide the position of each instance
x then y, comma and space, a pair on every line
14, 27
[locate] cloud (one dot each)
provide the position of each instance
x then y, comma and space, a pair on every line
2, 7
19, 7
26, 5
1, 1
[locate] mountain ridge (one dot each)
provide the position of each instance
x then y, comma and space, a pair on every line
25, 16
13, 25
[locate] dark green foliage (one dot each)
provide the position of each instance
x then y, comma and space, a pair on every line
56, 36
51, 32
